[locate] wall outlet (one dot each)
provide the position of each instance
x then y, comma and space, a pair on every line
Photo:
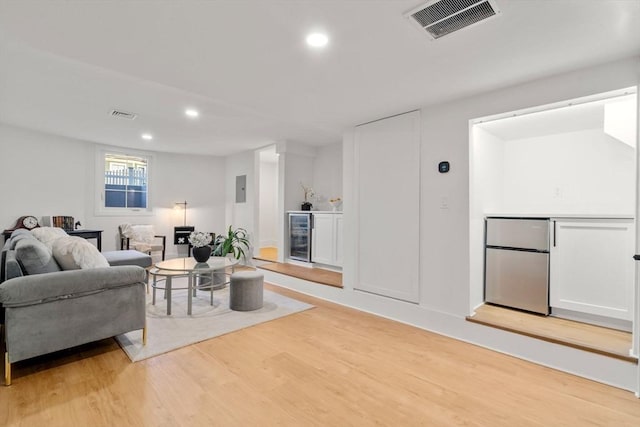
557, 192
444, 203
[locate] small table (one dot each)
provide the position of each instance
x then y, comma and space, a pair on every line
87, 234
190, 268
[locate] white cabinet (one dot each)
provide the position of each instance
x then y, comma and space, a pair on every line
326, 240
591, 267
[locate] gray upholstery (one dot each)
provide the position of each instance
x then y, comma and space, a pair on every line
128, 257
44, 328
11, 266
15, 238
246, 291
29, 290
34, 256
47, 312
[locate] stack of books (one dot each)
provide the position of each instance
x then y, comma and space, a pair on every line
64, 222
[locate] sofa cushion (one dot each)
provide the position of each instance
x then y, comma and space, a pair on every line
48, 235
73, 253
19, 231
34, 257
128, 257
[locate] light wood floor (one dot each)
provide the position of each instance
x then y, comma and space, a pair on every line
328, 366
318, 275
268, 254
609, 342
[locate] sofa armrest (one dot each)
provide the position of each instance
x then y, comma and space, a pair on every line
39, 288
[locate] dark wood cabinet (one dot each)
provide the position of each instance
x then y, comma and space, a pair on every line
86, 234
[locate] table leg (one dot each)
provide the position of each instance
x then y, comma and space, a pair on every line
168, 291
190, 294
155, 282
211, 287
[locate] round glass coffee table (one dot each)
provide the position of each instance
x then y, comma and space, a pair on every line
208, 275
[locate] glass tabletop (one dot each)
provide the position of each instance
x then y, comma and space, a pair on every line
190, 264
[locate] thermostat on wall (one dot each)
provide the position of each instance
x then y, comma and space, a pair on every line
443, 167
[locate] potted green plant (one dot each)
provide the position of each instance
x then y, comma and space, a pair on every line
235, 242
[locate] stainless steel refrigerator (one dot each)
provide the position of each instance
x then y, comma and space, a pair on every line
517, 263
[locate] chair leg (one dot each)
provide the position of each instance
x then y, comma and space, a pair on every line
144, 335
7, 369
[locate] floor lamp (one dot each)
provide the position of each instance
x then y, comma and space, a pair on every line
183, 206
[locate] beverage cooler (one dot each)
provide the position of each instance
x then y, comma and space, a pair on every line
300, 226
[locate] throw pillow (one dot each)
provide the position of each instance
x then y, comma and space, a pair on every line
34, 257
73, 253
142, 233
48, 234
15, 238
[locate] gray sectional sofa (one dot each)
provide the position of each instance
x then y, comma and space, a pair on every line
45, 309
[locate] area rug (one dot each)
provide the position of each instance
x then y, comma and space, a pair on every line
167, 333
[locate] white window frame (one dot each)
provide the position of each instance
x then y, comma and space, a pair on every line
99, 192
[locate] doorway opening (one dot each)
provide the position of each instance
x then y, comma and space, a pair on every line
267, 205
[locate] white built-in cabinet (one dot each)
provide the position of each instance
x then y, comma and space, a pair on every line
326, 241
591, 266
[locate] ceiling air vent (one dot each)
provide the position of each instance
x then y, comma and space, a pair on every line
123, 114
441, 17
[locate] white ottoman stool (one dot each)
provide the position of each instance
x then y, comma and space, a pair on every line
246, 291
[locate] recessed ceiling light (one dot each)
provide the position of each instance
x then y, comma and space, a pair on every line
190, 112
317, 40
147, 136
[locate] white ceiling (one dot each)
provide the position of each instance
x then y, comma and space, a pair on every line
245, 66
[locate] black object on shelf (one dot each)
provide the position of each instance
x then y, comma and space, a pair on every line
306, 206
181, 234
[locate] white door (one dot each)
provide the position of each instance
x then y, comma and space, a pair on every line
387, 160
322, 239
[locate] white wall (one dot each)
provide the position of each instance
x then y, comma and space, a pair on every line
241, 215
327, 175
296, 167
584, 172
43, 174
200, 180
268, 211
445, 233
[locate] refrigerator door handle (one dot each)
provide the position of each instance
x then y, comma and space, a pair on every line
554, 233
